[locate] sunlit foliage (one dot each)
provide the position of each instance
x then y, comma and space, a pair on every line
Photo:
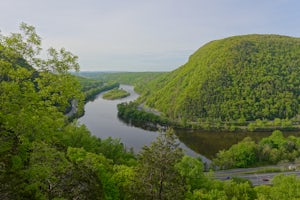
240, 78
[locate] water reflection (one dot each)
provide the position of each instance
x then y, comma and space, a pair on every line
209, 143
102, 120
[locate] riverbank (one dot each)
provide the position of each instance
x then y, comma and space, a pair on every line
138, 113
241, 125
77, 109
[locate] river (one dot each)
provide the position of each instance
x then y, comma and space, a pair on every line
101, 119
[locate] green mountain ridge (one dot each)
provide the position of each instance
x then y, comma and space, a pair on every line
241, 77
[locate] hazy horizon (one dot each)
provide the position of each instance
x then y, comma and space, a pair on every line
134, 35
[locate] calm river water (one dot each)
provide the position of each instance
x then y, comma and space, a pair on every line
101, 119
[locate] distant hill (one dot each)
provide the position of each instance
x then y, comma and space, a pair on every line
242, 77
138, 79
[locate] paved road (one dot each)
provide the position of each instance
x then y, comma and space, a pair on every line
249, 173
74, 104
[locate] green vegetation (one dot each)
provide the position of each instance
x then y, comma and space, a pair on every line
91, 87
270, 150
156, 176
129, 112
283, 187
233, 81
42, 154
137, 79
45, 156
115, 94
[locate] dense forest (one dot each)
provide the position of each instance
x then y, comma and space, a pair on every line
137, 79
42, 154
45, 156
92, 87
236, 79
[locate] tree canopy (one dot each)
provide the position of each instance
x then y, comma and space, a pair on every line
42, 154
237, 78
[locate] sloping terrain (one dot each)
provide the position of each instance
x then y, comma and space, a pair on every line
242, 77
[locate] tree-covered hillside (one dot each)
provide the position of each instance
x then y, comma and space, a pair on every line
137, 79
238, 78
92, 87
45, 156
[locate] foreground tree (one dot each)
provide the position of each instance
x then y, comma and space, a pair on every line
284, 187
192, 172
239, 155
34, 98
156, 175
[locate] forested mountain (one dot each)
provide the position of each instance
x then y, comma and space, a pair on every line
237, 78
45, 156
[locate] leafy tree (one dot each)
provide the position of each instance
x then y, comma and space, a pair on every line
263, 192
243, 154
80, 137
276, 147
191, 169
270, 150
210, 195
276, 140
32, 107
240, 191
156, 176
123, 178
284, 187
25, 45
100, 166
224, 190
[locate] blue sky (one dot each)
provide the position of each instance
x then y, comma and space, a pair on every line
145, 35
